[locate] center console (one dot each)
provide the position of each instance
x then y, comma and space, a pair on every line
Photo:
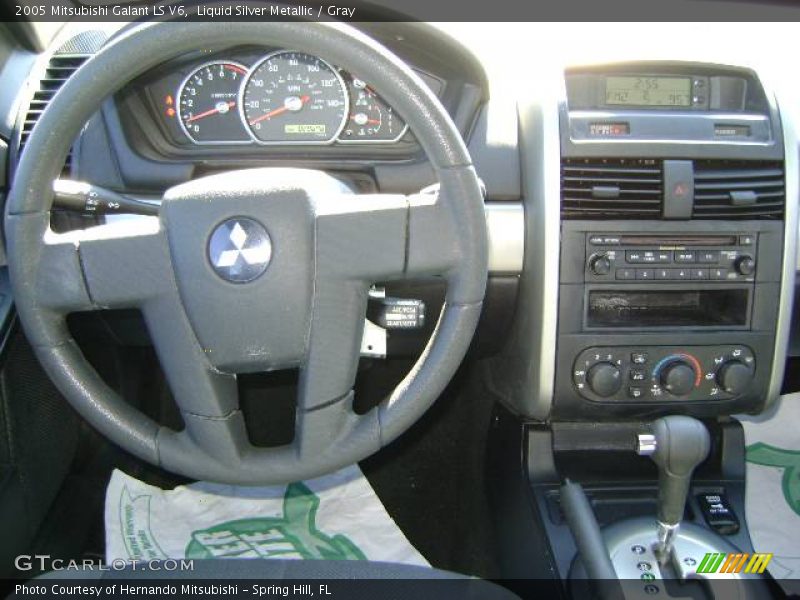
657, 283
672, 242
654, 314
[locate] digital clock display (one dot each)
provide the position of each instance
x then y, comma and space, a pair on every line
649, 91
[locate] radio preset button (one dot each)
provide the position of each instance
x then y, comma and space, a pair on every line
718, 273
677, 274
662, 273
708, 257
685, 256
625, 274
699, 274
646, 274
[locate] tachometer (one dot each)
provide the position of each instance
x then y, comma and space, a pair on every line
207, 104
292, 97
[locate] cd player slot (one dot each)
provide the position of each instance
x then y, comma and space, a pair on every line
707, 240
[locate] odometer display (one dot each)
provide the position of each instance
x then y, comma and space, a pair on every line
207, 104
292, 97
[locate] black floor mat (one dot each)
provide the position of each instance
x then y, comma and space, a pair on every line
430, 481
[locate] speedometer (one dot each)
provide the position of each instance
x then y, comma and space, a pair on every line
292, 97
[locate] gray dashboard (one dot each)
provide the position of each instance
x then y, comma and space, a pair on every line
517, 142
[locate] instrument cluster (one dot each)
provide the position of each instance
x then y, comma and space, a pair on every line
281, 98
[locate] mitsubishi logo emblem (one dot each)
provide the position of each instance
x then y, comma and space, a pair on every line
240, 250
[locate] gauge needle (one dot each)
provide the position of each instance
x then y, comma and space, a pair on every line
368, 121
213, 111
279, 111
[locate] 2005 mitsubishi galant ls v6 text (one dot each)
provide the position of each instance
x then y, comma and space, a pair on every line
389, 308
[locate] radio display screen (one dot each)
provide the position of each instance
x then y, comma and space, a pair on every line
649, 91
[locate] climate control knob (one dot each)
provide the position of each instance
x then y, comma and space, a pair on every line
734, 377
678, 378
604, 379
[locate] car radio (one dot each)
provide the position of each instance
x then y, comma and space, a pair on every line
714, 258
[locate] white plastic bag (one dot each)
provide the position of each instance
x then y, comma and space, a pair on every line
337, 516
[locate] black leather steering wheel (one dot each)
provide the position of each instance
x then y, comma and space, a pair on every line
305, 309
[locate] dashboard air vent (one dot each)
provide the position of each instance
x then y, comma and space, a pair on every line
738, 189
611, 188
59, 69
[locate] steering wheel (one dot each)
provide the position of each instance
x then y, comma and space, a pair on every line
298, 301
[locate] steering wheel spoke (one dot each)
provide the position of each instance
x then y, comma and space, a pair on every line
125, 264
318, 429
334, 342
55, 280
199, 388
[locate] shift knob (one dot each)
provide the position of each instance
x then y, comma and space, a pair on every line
681, 443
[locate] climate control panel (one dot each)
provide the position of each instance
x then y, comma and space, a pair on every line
663, 373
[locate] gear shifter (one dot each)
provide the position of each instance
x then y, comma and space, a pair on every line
677, 444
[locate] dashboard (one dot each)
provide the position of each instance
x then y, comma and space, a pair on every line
641, 212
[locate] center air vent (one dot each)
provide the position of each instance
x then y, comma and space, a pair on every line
611, 188
738, 189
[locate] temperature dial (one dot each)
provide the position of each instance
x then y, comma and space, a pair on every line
678, 378
677, 374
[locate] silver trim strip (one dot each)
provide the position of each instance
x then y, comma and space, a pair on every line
588, 115
528, 384
506, 226
790, 233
